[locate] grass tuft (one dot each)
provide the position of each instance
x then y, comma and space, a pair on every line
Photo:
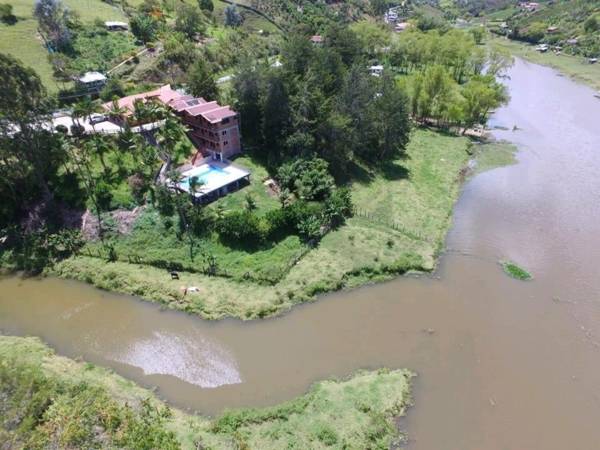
513, 270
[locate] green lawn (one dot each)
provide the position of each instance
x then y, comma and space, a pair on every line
22, 41
264, 201
576, 67
358, 412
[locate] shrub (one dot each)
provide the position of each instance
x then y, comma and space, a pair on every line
232, 17
139, 186
61, 129
164, 201
243, 227
338, 207
103, 195
144, 27
113, 88
308, 178
300, 212
327, 435
6, 14
309, 228
591, 25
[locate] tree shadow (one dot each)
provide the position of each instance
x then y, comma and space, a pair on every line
392, 171
354, 173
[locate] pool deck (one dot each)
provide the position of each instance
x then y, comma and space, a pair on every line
230, 179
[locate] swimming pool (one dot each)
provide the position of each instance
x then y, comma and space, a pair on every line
207, 174
211, 177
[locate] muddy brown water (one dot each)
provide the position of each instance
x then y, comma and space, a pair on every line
502, 364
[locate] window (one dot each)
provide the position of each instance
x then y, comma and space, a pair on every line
226, 120
225, 143
224, 132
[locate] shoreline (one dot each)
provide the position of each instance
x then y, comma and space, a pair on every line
219, 298
572, 66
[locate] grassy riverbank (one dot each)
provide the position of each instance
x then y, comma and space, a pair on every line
575, 67
50, 400
402, 215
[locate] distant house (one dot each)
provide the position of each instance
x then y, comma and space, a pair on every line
213, 128
376, 70
529, 6
116, 26
573, 41
401, 26
316, 39
91, 81
552, 29
542, 48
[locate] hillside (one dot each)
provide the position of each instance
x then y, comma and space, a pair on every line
574, 25
22, 40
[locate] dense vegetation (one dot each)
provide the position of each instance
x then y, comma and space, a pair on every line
52, 402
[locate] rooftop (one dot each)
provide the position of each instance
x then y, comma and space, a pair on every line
165, 94
110, 24
194, 106
91, 77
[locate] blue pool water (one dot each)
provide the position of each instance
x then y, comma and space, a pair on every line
206, 175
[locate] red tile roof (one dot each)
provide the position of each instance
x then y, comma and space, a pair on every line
194, 106
164, 94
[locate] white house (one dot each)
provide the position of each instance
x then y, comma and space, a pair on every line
116, 26
92, 81
376, 70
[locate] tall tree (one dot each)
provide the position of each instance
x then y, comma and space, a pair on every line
247, 87
53, 19
232, 17
24, 113
206, 5
189, 20
389, 113
201, 80
275, 112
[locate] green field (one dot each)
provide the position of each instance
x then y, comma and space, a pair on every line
402, 215
576, 67
50, 401
22, 41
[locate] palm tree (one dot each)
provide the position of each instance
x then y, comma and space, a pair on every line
171, 132
87, 107
146, 112
117, 113
100, 148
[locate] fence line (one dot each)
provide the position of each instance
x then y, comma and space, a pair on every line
133, 258
393, 225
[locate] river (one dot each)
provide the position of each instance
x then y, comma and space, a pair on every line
502, 364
